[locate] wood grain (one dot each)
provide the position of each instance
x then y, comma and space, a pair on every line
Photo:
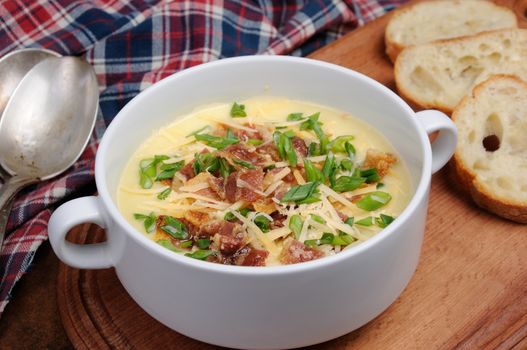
469, 291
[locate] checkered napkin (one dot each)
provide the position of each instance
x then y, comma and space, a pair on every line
135, 43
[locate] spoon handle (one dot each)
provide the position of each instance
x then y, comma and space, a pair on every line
7, 194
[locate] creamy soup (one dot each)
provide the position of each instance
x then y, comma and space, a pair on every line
265, 181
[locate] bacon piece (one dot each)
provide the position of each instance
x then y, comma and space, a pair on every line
270, 149
253, 178
230, 244
218, 186
230, 236
221, 227
188, 171
379, 160
300, 146
167, 182
231, 188
200, 179
241, 152
243, 135
278, 220
264, 205
296, 252
249, 256
196, 218
192, 229
281, 191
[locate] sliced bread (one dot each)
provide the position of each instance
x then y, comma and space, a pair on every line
427, 21
438, 75
490, 161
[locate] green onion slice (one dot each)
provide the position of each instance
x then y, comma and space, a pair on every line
374, 200
201, 254
186, 244
229, 217
384, 220
300, 192
295, 225
328, 165
164, 194
367, 221
243, 163
371, 175
293, 117
225, 168
262, 222
203, 243
338, 145
174, 227
290, 151
166, 243
254, 142
348, 183
350, 150
318, 219
238, 111
149, 221
217, 142
312, 172
167, 171
313, 149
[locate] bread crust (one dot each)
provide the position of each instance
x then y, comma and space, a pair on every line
393, 47
467, 179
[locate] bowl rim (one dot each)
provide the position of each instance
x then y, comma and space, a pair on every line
113, 129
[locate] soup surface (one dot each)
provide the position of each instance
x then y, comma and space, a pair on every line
265, 181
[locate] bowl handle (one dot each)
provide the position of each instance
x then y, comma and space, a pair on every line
68, 215
444, 145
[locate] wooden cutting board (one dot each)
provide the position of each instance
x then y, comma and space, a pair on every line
469, 290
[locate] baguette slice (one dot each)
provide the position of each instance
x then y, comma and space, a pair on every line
491, 156
443, 19
438, 75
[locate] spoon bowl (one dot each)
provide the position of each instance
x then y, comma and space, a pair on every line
14, 66
49, 119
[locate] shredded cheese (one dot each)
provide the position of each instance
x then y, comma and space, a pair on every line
194, 188
231, 124
278, 233
317, 159
272, 188
281, 165
303, 233
328, 191
196, 196
255, 230
298, 177
209, 205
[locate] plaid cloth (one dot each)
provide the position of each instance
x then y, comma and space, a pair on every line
135, 43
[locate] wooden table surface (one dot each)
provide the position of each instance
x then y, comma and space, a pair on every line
469, 291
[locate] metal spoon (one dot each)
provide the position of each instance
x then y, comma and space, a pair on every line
13, 67
46, 124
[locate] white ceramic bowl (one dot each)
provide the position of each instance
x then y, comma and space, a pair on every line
259, 307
